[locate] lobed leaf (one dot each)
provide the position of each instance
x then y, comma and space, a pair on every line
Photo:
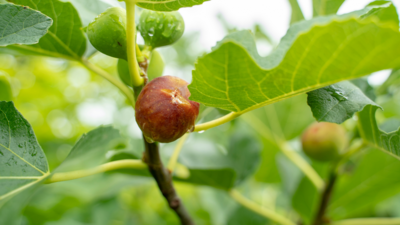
338, 102
313, 54
168, 5
21, 25
369, 131
23, 164
65, 37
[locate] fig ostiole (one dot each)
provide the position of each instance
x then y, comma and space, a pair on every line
163, 110
107, 33
324, 141
160, 28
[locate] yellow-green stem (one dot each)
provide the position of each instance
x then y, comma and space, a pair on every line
368, 221
137, 80
175, 155
205, 126
120, 164
125, 90
303, 165
267, 213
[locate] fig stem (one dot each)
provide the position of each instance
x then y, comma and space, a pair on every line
137, 80
177, 150
120, 164
267, 213
164, 181
368, 221
287, 150
124, 89
214, 123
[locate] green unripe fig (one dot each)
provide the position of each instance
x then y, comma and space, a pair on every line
154, 70
324, 141
107, 32
163, 110
160, 28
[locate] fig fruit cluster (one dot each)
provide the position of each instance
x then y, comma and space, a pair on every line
163, 110
324, 141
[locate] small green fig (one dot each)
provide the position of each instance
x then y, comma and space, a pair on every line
163, 110
155, 68
107, 32
324, 141
160, 28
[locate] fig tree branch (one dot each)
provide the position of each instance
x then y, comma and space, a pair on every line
164, 181
326, 195
267, 213
125, 90
120, 164
137, 80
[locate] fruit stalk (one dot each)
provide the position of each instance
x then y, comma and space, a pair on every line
137, 80
164, 181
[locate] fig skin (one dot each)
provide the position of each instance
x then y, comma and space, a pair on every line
324, 141
160, 28
163, 110
107, 32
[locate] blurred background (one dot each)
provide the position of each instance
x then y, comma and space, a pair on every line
62, 100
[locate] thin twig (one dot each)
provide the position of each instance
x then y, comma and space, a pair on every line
164, 181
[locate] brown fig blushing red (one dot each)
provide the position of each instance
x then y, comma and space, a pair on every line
163, 110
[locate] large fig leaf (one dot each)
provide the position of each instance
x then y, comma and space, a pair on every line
21, 25
313, 54
168, 5
65, 37
23, 163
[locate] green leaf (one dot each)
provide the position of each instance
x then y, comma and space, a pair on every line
21, 25
326, 7
338, 102
65, 37
384, 10
23, 163
365, 87
91, 149
297, 14
369, 131
213, 163
243, 215
313, 54
370, 178
168, 5
5, 89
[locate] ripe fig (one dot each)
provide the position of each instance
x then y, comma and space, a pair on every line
324, 141
107, 32
163, 111
160, 28
155, 68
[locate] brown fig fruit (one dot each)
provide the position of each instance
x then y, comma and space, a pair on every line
163, 110
324, 141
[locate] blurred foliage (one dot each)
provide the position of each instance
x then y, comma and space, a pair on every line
62, 100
